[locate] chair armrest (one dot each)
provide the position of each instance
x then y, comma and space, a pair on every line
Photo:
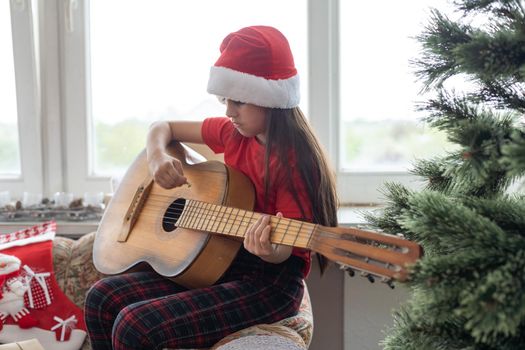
74, 269
271, 336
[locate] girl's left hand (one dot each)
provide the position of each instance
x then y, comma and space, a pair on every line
257, 242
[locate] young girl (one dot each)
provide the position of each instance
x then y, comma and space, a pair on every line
265, 136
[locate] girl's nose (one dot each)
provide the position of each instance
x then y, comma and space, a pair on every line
231, 109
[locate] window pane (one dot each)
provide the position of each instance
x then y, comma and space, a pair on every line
150, 61
380, 129
9, 145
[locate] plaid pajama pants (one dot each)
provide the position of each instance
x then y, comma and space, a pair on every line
143, 310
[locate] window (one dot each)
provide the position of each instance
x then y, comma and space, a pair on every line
153, 63
9, 146
379, 124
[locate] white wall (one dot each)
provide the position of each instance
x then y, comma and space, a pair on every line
368, 312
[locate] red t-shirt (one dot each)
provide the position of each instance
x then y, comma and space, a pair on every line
246, 154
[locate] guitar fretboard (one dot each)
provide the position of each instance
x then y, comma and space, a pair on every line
203, 216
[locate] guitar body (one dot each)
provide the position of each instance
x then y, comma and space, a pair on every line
192, 258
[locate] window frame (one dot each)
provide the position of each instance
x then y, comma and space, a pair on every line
76, 63
24, 28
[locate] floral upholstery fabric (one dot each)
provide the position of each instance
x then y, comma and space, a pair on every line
74, 268
75, 273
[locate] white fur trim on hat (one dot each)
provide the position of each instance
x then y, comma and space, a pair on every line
247, 88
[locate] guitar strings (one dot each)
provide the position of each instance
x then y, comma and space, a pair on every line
349, 255
215, 209
297, 241
236, 228
204, 208
205, 211
298, 238
303, 235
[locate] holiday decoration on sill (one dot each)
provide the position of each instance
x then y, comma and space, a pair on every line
76, 210
32, 306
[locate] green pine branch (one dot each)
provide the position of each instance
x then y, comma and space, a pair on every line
494, 57
514, 154
439, 39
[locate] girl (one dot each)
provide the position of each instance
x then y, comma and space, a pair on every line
266, 137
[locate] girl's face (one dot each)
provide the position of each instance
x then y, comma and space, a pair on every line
248, 119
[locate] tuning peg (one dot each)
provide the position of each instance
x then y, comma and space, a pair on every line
348, 269
389, 282
369, 276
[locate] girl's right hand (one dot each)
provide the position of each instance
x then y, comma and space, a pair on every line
166, 171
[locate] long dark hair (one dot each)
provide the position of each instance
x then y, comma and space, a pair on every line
288, 129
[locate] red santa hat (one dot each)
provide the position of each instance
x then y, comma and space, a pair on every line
256, 66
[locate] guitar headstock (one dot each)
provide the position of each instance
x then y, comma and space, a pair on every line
373, 253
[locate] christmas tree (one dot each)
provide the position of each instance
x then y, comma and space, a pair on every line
468, 291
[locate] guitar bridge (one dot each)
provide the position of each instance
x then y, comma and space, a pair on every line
135, 208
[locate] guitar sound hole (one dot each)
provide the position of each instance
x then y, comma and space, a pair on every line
172, 214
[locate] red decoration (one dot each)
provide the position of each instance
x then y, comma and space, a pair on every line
31, 302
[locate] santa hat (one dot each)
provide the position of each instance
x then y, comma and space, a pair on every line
256, 66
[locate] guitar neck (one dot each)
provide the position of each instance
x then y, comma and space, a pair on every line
370, 252
235, 222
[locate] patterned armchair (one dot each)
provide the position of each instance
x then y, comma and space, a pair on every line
75, 273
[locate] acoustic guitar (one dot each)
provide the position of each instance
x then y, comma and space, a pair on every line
192, 233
